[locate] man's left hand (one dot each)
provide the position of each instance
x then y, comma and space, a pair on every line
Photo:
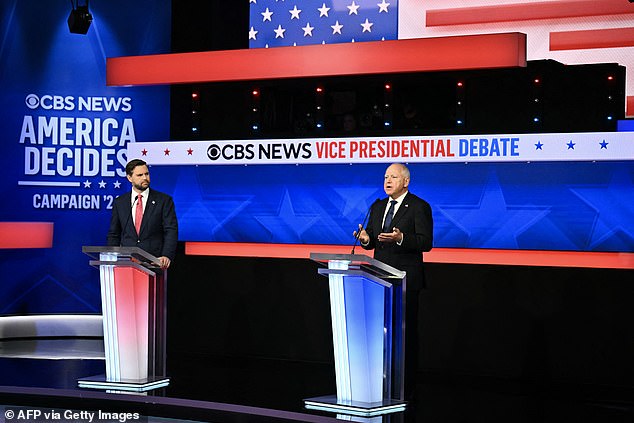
165, 262
395, 236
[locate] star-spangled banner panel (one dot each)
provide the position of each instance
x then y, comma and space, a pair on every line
276, 23
596, 146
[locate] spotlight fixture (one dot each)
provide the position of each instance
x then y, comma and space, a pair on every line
79, 19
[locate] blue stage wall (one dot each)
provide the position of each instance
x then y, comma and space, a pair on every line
64, 136
573, 206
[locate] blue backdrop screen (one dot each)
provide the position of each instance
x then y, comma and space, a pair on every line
64, 137
577, 206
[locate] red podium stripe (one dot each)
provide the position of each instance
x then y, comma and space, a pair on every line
424, 54
265, 250
526, 11
629, 105
597, 38
26, 234
437, 255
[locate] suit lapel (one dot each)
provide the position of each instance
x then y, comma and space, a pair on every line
378, 222
402, 210
127, 213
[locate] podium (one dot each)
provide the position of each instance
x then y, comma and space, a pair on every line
133, 288
367, 305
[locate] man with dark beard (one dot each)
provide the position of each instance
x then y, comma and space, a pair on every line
144, 218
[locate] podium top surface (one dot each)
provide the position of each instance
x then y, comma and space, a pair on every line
133, 254
362, 262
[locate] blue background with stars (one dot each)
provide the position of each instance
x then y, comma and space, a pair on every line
38, 55
573, 206
272, 24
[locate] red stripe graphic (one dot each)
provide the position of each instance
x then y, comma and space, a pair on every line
527, 11
425, 54
597, 38
26, 234
437, 255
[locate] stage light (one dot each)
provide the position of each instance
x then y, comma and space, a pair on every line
79, 19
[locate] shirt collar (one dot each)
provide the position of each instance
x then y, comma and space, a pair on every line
399, 200
145, 194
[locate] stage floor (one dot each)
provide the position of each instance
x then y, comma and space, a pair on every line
241, 389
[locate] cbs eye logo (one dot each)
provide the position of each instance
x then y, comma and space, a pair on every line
32, 101
213, 152
231, 152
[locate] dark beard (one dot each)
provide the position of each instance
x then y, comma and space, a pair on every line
140, 188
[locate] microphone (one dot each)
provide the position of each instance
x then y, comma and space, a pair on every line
129, 218
356, 238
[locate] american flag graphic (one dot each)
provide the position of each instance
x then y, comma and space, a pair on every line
277, 23
568, 31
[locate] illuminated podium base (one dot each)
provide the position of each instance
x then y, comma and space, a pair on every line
367, 306
133, 305
127, 385
365, 409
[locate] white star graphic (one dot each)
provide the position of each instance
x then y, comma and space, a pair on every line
323, 10
87, 183
266, 15
367, 26
279, 32
353, 8
383, 6
308, 30
336, 28
295, 12
102, 184
117, 184
252, 33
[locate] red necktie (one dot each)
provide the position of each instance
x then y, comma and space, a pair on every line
138, 216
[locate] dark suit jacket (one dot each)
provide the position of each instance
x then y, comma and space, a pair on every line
414, 219
159, 227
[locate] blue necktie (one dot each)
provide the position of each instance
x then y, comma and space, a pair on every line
388, 218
